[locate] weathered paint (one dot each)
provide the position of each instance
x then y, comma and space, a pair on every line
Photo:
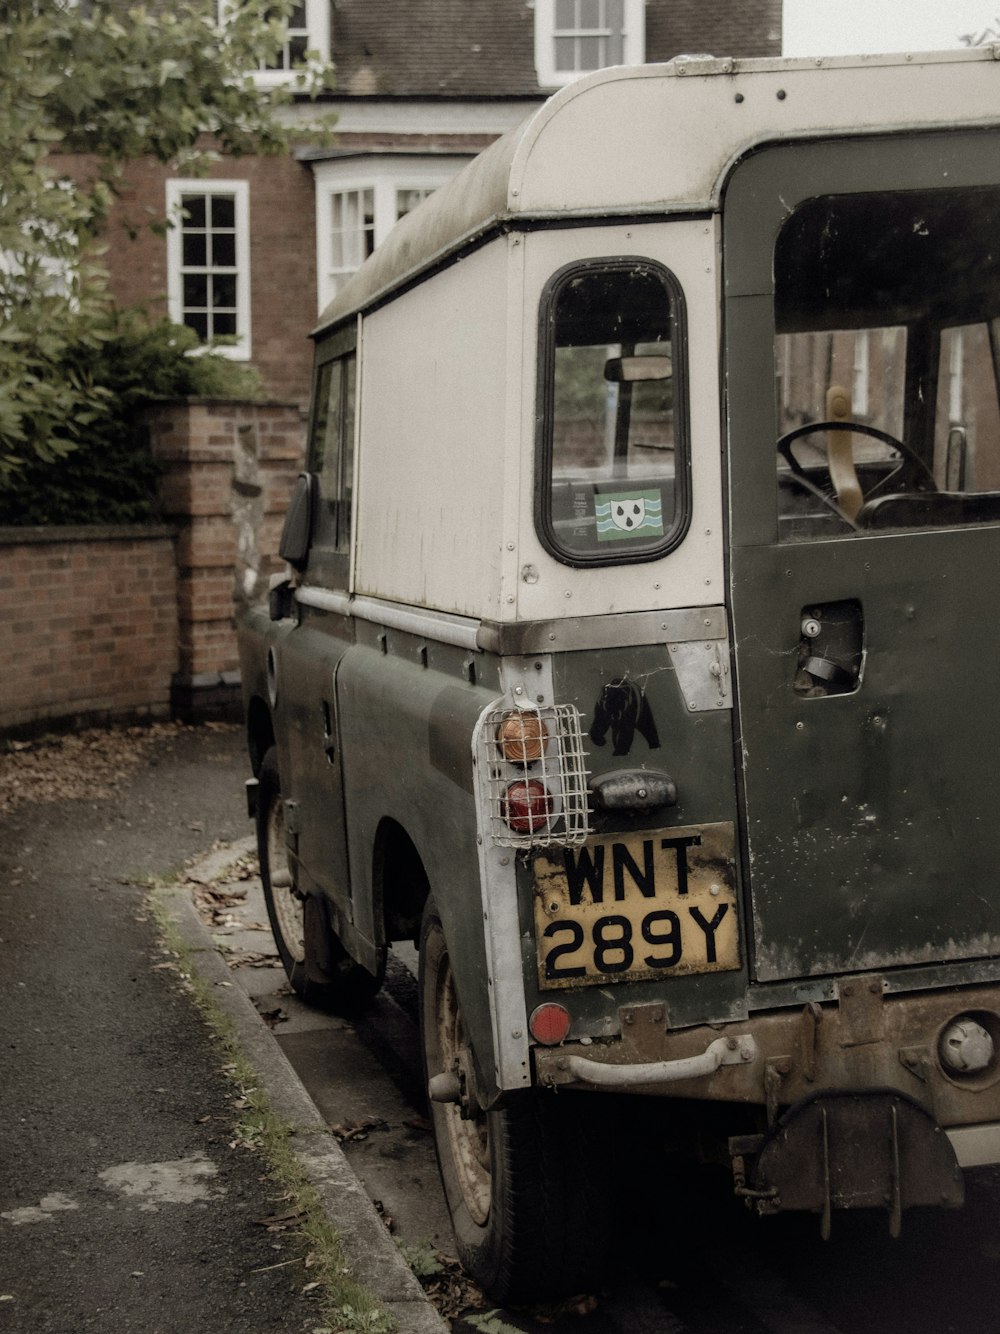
868, 814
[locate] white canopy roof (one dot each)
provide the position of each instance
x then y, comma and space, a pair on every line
655, 139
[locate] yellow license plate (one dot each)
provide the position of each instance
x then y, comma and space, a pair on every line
636, 906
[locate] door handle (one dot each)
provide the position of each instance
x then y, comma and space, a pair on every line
831, 649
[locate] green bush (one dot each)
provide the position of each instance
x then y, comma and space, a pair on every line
109, 475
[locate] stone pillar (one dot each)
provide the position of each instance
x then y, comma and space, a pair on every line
228, 471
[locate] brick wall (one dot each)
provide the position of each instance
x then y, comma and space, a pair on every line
90, 620
138, 622
228, 471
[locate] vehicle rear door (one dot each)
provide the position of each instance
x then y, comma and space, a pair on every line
862, 291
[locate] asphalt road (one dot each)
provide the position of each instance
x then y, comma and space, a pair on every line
123, 1207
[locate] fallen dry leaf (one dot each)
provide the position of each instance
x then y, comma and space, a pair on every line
450, 1288
281, 1222
350, 1131
584, 1303
235, 960
80, 766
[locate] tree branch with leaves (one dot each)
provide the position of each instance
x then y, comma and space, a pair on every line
115, 83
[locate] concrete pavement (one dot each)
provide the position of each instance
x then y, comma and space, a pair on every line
125, 1206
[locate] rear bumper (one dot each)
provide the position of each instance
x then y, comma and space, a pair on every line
975, 1146
867, 1039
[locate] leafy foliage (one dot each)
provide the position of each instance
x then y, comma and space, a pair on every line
110, 475
115, 83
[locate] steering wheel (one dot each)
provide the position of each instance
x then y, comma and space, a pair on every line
912, 473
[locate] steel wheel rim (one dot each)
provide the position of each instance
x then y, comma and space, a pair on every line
468, 1137
286, 903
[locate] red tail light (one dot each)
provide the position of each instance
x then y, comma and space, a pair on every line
526, 805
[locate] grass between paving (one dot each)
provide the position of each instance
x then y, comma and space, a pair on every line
346, 1305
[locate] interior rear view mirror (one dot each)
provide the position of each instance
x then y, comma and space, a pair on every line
630, 370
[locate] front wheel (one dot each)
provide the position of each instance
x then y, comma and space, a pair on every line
319, 969
528, 1185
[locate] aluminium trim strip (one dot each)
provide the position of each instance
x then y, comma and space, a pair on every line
617, 630
502, 930
461, 632
325, 600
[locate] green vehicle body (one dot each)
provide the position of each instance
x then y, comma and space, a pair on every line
782, 689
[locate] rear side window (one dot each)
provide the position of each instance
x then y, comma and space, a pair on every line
612, 483
331, 450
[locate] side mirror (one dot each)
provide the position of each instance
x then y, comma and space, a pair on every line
296, 535
630, 370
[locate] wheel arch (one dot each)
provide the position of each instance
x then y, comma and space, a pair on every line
400, 884
260, 732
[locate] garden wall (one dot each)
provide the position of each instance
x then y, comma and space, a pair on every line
108, 622
228, 471
90, 624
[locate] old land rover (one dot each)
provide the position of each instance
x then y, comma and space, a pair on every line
634, 658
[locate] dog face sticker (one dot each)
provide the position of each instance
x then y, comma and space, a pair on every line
628, 514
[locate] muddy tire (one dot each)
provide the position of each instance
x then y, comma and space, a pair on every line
527, 1185
319, 969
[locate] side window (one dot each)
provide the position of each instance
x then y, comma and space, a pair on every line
612, 448
331, 450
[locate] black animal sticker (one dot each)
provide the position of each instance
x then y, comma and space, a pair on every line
623, 709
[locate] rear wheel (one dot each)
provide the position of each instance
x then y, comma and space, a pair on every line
528, 1185
319, 969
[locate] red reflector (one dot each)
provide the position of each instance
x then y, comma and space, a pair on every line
526, 805
549, 1023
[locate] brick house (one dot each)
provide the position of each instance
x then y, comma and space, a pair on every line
261, 244
258, 248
